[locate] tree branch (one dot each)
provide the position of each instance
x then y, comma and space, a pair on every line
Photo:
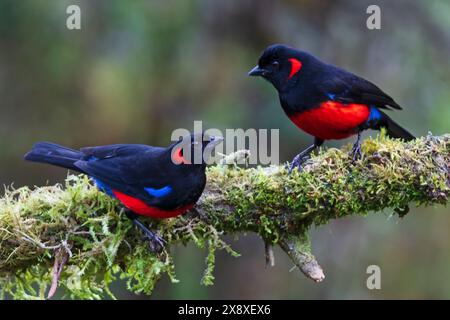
39, 225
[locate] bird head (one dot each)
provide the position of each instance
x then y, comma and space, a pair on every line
281, 65
194, 149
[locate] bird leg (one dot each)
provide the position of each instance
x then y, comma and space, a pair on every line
156, 242
356, 150
201, 215
304, 155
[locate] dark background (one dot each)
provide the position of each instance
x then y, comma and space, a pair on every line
139, 69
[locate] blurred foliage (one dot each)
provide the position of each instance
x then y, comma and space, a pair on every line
139, 69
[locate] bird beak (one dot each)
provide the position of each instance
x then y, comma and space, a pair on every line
207, 152
214, 141
257, 71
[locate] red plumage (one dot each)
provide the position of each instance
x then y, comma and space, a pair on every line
140, 207
332, 120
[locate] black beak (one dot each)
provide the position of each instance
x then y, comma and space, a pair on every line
257, 71
214, 141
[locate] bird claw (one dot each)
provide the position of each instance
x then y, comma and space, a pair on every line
297, 163
156, 243
356, 153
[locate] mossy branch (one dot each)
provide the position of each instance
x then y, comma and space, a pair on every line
79, 236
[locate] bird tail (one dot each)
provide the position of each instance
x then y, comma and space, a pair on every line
394, 130
47, 152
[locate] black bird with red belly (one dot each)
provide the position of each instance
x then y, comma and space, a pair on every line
324, 100
148, 181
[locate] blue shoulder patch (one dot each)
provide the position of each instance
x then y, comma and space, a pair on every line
331, 95
158, 193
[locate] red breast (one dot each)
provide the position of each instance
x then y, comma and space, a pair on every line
332, 120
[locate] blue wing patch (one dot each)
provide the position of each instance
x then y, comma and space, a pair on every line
158, 193
331, 95
374, 115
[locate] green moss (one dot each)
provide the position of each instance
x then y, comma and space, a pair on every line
78, 220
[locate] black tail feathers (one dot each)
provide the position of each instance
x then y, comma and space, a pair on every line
47, 152
394, 130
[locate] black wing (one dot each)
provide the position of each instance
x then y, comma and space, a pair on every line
342, 86
115, 150
128, 168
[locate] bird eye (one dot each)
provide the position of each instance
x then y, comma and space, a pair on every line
275, 64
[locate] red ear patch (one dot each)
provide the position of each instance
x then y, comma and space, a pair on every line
295, 67
177, 156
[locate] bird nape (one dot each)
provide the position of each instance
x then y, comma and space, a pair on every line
148, 181
325, 101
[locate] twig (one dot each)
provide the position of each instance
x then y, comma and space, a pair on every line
270, 258
61, 257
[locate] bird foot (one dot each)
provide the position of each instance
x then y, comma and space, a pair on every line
297, 163
156, 243
356, 152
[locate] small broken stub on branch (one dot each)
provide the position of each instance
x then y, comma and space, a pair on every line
299, 250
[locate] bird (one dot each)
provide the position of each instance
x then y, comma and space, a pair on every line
148, 181
324, 100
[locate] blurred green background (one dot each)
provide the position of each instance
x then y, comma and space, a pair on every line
139, 69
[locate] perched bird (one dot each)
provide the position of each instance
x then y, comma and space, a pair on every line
325, 101
149, 181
